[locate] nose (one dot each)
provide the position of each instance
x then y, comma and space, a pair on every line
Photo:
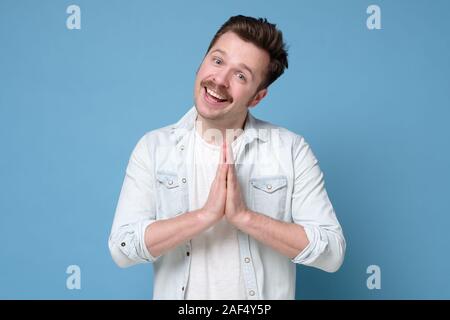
221, 77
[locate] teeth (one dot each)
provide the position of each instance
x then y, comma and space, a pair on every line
215, 94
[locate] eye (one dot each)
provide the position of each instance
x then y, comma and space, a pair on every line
217, 60
241, 76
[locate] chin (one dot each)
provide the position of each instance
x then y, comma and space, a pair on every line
206, 112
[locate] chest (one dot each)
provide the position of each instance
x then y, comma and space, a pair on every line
184, 176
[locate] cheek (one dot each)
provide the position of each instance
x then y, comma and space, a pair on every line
241, 94
202, 72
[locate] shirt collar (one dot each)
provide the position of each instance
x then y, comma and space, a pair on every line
252, 127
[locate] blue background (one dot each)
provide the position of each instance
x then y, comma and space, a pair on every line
373, 104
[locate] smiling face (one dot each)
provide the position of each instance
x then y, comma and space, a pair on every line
228, 79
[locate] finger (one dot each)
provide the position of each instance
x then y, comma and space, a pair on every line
229, 153
231, 163
222, 161
231, 176
218, 173
221, 183
224, 172
223, 152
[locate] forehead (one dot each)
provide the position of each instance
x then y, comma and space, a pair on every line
239, 51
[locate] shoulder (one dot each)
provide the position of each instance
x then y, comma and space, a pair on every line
271, 130
172, 133
157, 136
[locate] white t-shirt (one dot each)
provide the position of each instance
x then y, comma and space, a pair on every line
215, 271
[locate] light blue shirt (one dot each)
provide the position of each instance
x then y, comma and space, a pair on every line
279, 177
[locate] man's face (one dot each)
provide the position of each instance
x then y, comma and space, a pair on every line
228, 78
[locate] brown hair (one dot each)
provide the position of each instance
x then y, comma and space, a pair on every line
262, 34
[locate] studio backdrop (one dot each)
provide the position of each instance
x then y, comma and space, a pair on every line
368, 86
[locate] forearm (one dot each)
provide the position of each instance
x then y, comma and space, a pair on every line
164, 235
287, 238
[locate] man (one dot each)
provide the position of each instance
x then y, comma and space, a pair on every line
224, 204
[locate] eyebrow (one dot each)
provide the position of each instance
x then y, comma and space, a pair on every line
241, 65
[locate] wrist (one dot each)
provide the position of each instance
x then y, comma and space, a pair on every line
242, 219
205, 218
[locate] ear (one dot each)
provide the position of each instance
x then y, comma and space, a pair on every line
257, 98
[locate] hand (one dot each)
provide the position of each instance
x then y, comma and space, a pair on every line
235, 209
214, 207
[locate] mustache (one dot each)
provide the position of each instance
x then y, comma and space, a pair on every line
221, 90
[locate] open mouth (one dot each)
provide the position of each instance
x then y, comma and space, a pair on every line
214, 97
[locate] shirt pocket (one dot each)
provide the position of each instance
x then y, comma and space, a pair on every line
169, 195
268, 195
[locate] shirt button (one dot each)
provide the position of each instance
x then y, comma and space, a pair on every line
251, 292
187, 253
247, 259
182, 147
182, 289
123, 244
170, 182
184, 180
269, 187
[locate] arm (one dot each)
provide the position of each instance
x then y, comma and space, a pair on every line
287, 238
135, 210
312, 209
136, 235
164, 235
315, 237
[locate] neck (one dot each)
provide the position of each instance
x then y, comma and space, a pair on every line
213, 131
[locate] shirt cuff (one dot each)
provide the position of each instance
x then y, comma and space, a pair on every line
317, 245
132, 242
145, 253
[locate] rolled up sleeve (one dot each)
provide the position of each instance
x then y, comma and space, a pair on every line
312, 209
135, 210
